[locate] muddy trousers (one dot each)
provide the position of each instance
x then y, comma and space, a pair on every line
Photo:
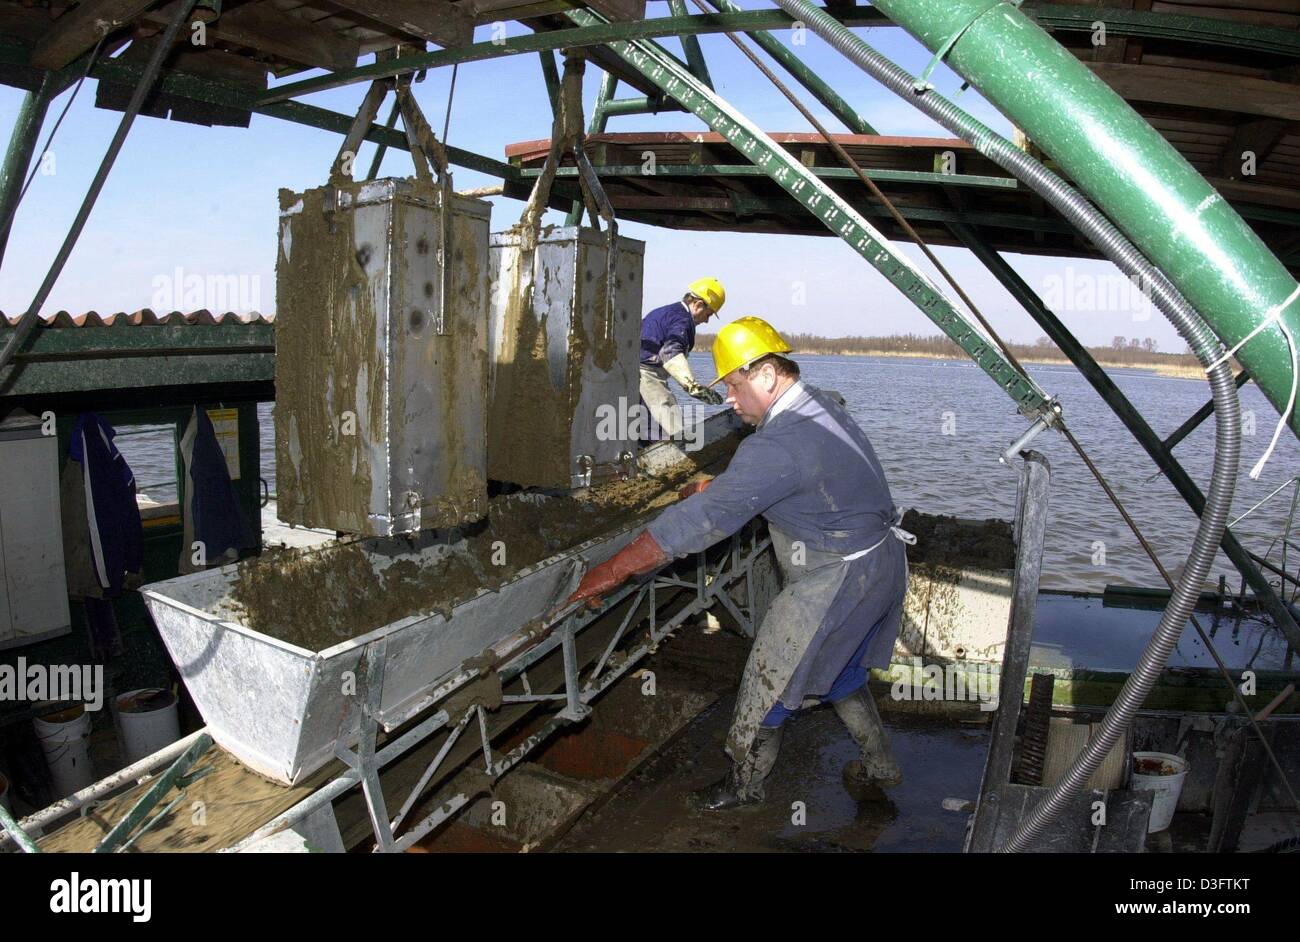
661, 402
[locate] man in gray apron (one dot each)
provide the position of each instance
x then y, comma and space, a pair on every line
812, 473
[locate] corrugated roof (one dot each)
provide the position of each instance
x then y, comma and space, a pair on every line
145, 318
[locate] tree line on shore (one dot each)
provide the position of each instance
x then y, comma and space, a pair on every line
1121, 351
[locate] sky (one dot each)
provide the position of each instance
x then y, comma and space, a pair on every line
185, 201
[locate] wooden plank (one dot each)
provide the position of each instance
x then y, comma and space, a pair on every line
438, 21
1256, 137
1195, 89
267, 30
79, 29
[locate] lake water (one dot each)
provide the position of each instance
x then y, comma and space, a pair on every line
938, 427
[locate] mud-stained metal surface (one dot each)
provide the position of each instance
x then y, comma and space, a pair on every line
563, 356
958, 589
380, 417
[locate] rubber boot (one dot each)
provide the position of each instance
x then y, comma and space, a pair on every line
743, 785
875, 765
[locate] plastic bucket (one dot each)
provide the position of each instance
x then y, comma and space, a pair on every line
65, 740
1163, 774
147, 721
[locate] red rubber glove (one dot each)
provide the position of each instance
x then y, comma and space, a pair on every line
639, 557
694, 488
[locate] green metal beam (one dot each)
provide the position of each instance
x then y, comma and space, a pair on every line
651, 61
804, 75
186, 85
641, 104
825, 173
551, 75
18, 156
1133, 174
597, 35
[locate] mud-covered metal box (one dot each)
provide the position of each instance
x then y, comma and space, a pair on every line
564, 379
381, 387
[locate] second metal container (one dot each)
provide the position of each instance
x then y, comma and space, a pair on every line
564, 381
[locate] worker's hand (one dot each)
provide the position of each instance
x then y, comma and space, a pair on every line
707, 394
643, 555
694, 488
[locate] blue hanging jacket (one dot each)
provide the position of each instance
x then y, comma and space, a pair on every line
218, 523
116, 533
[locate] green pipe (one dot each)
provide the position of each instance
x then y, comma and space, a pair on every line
640, 104
1149, 191
804, 75
18, 156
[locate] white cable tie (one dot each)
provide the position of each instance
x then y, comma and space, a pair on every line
1274, 313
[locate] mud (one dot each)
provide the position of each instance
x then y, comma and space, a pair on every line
325, 325
528, 417
318, 598
227, 804
947, 541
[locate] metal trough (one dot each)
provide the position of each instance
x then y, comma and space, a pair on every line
282, 709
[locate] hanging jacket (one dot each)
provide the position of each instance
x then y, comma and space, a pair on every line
112, 524
212, 515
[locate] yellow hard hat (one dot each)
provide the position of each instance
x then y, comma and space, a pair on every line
742, 342
710, 290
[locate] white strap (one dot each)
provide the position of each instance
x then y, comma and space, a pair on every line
895, 530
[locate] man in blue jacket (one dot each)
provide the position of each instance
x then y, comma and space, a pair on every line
667, 335
812, 473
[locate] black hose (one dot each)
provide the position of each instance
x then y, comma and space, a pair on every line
1116, 247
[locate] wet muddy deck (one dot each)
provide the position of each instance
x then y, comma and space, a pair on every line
649, 813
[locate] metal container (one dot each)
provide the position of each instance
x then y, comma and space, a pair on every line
381, 358
564, 380
281, 709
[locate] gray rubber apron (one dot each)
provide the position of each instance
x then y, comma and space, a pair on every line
820, 597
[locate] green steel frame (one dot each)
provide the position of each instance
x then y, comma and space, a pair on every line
838, 216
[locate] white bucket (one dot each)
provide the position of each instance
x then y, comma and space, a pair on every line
65, 739
147, 721
1163, 774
